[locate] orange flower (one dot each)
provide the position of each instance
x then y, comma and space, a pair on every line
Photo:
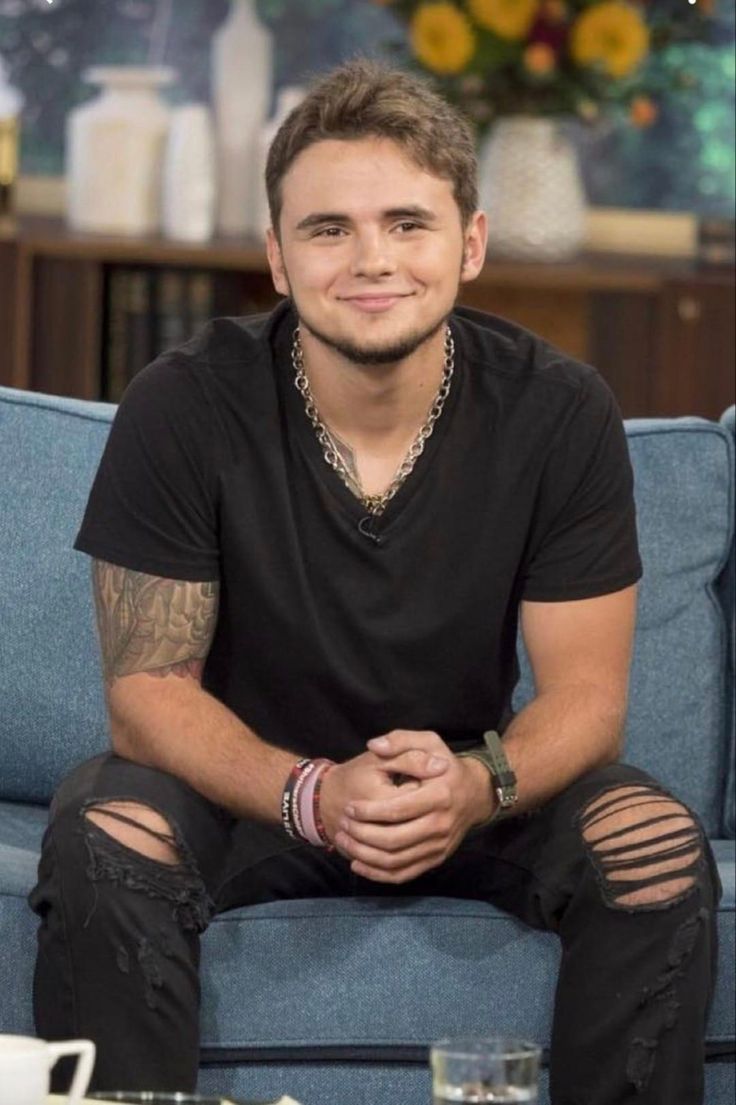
540, 59
643, 111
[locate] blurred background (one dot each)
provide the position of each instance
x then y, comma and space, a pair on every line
133, 135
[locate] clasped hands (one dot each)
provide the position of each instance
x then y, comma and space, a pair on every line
404, 806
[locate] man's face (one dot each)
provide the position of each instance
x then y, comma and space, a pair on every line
372, 248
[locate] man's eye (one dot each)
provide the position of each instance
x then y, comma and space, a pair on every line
329, 232
408, 225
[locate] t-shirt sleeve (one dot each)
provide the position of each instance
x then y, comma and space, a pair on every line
583, 541
152, 507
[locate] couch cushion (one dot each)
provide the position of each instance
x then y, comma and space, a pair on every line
258, 999
728, 598
679, 694
52, 711
684, 475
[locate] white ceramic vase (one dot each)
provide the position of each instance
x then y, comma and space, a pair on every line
114, 151
11, 103
189, 175
242, 66
288, 98
532, 190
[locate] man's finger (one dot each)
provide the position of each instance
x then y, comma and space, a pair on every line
425, 850
404, 740
406, 806
416, 764
397, 878
389, 838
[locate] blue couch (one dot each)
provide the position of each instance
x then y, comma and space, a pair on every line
347, 1021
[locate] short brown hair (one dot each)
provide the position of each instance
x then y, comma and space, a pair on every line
364, 99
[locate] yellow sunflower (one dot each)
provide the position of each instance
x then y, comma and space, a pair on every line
441, 37
506, 18
612, 34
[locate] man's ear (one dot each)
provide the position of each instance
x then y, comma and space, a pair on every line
474, 249
276, 263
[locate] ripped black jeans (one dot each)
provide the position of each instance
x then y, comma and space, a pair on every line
613, 865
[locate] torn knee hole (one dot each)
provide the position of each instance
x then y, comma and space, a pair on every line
645, 846
138, 827
120, 836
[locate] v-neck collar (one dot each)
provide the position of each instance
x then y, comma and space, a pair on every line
303, 432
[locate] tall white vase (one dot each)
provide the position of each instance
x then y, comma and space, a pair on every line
532, 190
242, 67
288, 98
114, 151
189, 175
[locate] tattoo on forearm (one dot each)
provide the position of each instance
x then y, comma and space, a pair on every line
148, 623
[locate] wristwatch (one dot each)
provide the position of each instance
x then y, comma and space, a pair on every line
503, 780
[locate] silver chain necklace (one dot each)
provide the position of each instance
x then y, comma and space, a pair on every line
374, 504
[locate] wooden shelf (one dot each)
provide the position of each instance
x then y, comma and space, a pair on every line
49, 236
660, 329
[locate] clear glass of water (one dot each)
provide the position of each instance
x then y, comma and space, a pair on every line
487, 1070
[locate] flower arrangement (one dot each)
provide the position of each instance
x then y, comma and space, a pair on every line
584, 58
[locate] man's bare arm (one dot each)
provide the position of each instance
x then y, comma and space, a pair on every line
580, 654
155, 634
148, 623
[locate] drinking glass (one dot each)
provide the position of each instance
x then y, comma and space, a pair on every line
485, 1071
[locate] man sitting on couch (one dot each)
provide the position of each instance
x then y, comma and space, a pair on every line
314, 535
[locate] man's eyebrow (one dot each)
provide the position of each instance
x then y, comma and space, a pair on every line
318, 218
411, 211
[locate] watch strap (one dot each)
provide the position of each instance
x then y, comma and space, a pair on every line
503, 780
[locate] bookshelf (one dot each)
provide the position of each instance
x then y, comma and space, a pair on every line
81, 313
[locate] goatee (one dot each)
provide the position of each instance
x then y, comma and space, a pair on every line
389, 353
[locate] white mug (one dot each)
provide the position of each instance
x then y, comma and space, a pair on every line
25, 1069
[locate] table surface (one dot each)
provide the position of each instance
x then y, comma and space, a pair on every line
57, 1099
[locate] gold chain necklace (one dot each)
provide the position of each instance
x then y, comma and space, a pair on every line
374, 504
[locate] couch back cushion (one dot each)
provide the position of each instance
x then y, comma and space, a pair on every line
677, 726
728, 598
51, 704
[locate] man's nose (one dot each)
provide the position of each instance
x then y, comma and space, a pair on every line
373, 255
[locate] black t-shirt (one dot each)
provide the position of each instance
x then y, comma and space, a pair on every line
334, 627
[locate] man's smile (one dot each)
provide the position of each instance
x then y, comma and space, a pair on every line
374, 302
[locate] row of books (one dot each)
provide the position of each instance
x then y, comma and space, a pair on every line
149, 310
